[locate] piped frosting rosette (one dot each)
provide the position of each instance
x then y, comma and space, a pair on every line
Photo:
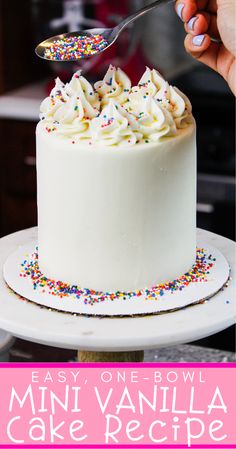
113, 112
114, 126
71, 107
170, 98
154, 121
115, 85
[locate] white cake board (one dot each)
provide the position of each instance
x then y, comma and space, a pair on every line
29, 321
137, 305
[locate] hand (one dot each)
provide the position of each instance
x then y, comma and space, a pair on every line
211, 18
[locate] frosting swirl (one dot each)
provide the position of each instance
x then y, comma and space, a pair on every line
155, 121
170, 97
83, 89
114, 113
114, 126
71, 107
57, 97
115, 84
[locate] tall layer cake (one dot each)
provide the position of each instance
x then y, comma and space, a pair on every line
116, 182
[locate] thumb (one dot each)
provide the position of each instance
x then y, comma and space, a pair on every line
226, 19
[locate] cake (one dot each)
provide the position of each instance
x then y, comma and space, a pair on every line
116, 181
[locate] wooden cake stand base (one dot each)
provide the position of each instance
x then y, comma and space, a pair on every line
124, 356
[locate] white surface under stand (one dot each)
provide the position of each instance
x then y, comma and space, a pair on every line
41, 325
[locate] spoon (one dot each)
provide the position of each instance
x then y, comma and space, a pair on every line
108, 36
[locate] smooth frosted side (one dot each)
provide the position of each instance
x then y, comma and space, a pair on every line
116, 218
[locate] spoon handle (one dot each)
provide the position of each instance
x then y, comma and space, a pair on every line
140, 13
143, 11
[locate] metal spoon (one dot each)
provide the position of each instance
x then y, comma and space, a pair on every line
109, 34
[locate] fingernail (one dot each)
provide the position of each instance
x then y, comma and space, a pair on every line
179, 9
191, 23
198, 40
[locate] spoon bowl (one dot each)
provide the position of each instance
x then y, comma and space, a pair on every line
108, 34
48, 44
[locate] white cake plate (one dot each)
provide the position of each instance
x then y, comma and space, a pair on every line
27, 320
195, 292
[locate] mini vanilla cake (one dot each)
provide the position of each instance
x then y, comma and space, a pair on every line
116, 182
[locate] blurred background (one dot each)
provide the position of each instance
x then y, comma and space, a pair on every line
155, 40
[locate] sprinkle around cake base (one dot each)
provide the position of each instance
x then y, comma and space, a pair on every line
207, 276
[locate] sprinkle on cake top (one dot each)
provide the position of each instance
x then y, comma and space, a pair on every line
113, 112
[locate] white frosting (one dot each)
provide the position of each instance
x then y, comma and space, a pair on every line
153, 120
115, 126
70, 108
168, 96
152, 110
115, 84
80, 87
122, 219
118, 219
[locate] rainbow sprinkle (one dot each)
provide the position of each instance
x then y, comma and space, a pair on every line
198, 273
75, 47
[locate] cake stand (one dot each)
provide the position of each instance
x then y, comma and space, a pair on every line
115, 339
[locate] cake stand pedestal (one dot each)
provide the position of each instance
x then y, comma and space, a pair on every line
115, 339
122, 356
